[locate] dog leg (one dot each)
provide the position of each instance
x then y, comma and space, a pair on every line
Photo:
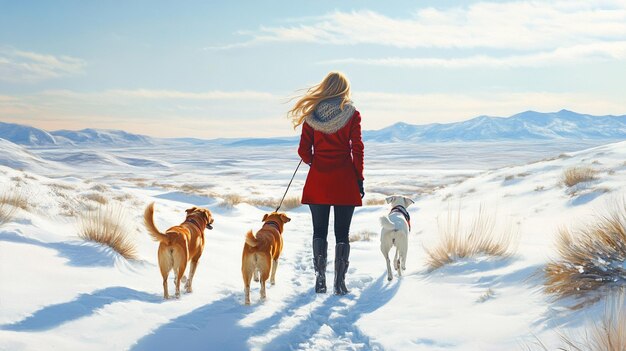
385, 250
192, 271
403, 254
273, 276
179, 276
265, 273
166, 295
247, 276
165, 272
396, 262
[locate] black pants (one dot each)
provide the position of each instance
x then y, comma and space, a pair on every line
343, 217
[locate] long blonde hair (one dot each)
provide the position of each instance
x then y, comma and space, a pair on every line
335, 84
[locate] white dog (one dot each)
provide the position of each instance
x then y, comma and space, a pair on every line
395, 231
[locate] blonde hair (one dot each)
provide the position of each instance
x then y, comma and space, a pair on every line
335, 84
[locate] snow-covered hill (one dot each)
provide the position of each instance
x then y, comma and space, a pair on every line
59, 292
26, 135
529, 125
103, 137
35, 137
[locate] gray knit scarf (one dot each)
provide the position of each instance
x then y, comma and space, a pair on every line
328, 116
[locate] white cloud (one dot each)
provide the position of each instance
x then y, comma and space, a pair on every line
18, 66
511, 34
163, 94
568, 55
517, 25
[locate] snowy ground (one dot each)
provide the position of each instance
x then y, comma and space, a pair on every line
59, 292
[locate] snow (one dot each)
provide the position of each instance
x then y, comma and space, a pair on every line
59, 292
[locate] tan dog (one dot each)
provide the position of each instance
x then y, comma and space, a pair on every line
180, 244
261, 253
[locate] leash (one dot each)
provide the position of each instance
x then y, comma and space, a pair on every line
288, 185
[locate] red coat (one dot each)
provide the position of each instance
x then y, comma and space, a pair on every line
336, 162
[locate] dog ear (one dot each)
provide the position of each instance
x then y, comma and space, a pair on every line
190, 210
408, 202
284, 218
208, 215
265, 217
390, 199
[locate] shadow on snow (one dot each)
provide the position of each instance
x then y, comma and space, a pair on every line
218, 325
84, 305
79, 253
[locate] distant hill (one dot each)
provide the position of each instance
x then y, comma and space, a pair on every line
529, 125
102, 137
30, 136
26, 135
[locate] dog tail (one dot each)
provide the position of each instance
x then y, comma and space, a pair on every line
148, 219
387, 223
251, 240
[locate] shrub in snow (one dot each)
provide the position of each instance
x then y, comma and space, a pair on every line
9, 203
107, 226
608, 335
364, 235
575, 175
480, 238
592, 257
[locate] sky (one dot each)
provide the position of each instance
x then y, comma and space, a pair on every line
213, 69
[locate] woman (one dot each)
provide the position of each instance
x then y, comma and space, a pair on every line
331, 145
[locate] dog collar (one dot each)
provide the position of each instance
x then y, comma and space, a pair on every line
405, 213
193, 221
274, 224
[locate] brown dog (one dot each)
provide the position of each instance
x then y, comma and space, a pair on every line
261, 253
180, 244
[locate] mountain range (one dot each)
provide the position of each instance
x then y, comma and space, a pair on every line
529, 125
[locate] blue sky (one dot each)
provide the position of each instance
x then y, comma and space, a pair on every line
226, 69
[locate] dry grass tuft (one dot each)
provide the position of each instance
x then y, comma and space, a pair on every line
608, 335
364, 235
375, 202
488, 295
592, 258
481, 238
106, 225
230, 200
96, 198
9, 203
291, 202
575, 175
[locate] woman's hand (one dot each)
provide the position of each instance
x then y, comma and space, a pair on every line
361, 189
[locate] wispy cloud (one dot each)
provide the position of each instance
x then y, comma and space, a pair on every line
568, 55
517, 25
163, 94
531, 32
17, 66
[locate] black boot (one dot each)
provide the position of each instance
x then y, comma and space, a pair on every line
320, 247
342, 253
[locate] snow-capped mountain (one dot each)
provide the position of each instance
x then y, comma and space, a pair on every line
102, 137
526, 125
529, 125
34, 137
26, 135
